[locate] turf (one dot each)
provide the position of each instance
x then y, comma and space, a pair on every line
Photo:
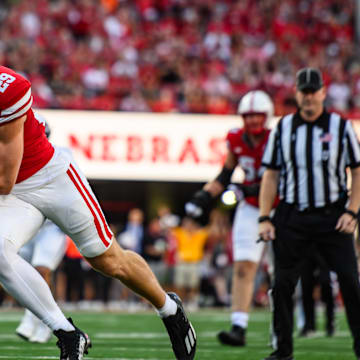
122, 336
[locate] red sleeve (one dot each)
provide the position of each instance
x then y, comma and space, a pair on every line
15, 95
232, 138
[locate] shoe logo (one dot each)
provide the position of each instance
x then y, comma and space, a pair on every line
190, 339
82, 344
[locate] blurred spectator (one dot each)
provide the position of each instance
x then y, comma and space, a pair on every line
167, 222
167, 219
99, 50
133, 235
74, 272
166, 101
134, 101
154, 249
217, 268
190, 239
132, 238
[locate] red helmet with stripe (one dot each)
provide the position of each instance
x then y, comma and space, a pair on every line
257, 109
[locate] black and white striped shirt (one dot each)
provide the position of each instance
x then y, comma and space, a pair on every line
312, 158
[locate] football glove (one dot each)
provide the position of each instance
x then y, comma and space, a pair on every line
198, 205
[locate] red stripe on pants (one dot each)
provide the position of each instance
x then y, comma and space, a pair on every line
96, 221
94, 202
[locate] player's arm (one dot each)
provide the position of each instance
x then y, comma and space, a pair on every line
218, 185
348, 221
202, 199
354, 199
11, 153
268, 193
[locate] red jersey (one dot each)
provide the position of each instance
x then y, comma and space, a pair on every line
248, 157
16, 101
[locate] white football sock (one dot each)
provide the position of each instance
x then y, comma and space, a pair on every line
240, 318
169, 308
29, 288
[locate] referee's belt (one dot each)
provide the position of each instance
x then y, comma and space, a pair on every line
339, 204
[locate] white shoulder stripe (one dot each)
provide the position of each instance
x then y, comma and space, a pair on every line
354, 143
17, 114
18, 105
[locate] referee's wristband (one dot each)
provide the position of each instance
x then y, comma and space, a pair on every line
352, 213
264, 218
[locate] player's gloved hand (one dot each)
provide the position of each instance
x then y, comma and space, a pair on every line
197, 206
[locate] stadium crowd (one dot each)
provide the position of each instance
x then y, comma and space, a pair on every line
178, 55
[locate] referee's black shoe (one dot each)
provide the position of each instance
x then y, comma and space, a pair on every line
234, 337
182, 334
276, 356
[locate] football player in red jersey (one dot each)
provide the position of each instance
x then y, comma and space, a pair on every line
245, 149
38, 181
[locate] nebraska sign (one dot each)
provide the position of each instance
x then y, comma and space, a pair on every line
142, 146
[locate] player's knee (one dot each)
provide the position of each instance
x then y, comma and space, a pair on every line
240, 272
244, 269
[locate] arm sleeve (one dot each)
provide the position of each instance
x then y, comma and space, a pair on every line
272, 155
353, 147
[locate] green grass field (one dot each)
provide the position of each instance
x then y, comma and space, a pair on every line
122, 336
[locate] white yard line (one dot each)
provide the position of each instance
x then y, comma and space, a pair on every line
131, 335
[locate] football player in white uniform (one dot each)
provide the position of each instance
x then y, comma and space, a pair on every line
245, 149
38, 181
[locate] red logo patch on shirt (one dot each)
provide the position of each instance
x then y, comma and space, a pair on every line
326, 137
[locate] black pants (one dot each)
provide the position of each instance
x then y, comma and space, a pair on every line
311, 265
75, 276
297, 234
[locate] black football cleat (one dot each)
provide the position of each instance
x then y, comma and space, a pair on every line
234, 337
182, 334
73, 344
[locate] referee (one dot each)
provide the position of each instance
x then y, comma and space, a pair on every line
306, 159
